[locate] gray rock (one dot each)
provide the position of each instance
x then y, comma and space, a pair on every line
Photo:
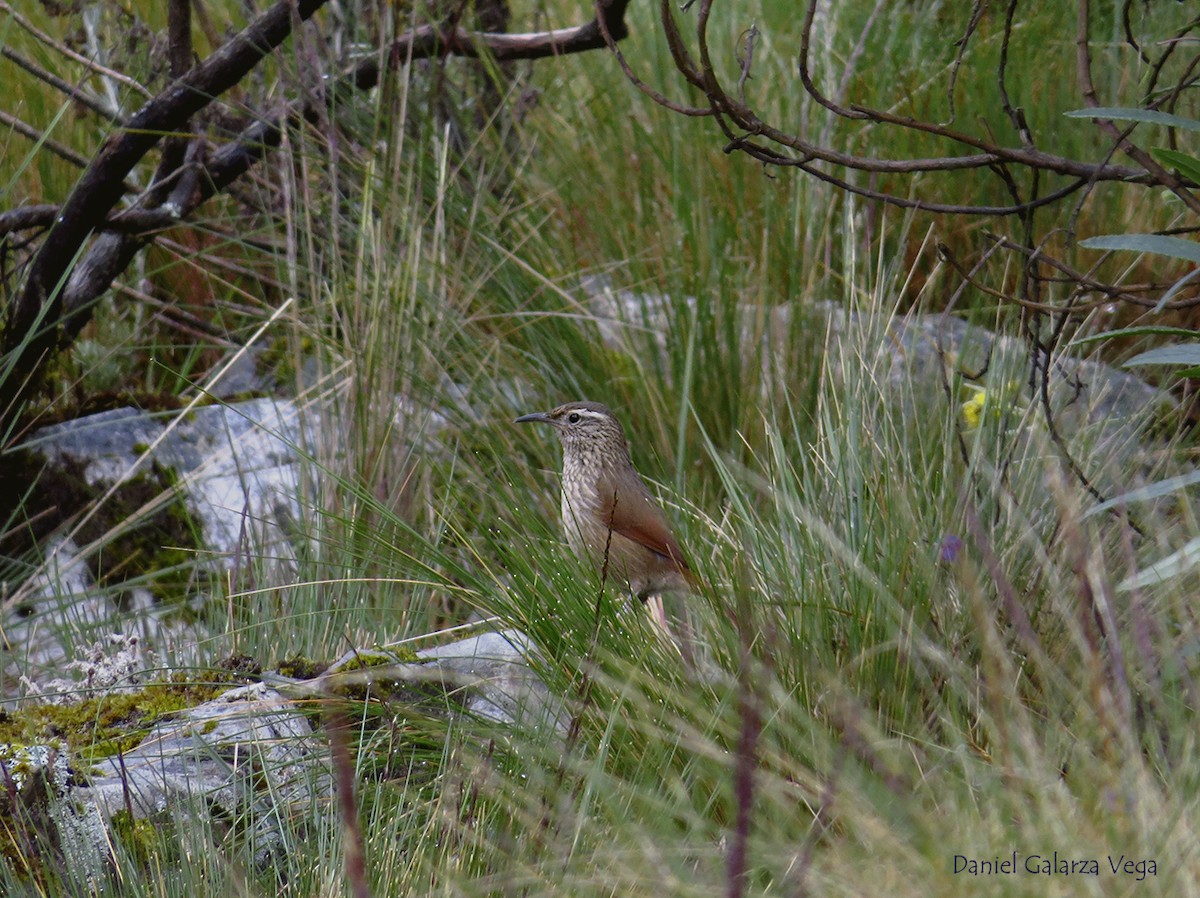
237, 470
236, 463
914, 353
247, 754
501, 685
910, 355
489, 676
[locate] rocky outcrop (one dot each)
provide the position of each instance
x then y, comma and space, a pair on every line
253, 753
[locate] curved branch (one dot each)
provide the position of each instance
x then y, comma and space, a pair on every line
67, 274
432, 40
679, 52
101, 185
744, 119
810, 86
1084, 63
947, 208
42, 215
76, 94
135, 227
734, 116
661, 99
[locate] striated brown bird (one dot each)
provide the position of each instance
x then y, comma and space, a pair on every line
608, 514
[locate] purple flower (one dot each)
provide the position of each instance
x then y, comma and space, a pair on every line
951, 547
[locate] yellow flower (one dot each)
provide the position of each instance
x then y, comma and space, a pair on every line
993, 402
972, 409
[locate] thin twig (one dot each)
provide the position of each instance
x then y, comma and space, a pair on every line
1015, 115
66, 51
1083, 55
746, 62
977, 10
74, 92
1086, 282
39, 137
610, 41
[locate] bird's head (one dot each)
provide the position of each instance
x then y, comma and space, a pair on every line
582, 426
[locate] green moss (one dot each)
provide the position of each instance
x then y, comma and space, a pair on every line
301, 668
379, 687
365, 658
279, 355
406, 655
143, 839
102, 725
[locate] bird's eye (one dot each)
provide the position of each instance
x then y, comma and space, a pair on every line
573, 417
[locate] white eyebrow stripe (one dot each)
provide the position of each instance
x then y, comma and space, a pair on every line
589, 414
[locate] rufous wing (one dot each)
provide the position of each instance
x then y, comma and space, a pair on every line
634, 514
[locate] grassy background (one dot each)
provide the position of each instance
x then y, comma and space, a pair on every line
912, 707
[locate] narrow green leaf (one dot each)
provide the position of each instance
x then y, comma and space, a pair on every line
1183, 354
1186, 164
1176, 247
1175, 288
1146, 331
1133, 114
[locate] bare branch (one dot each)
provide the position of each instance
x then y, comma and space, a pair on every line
770, 156
610, 40
806, 78
1127, 293
1156, 72
131, 221
748, 133
430, 41
74, 92
179, 36
54, 45
100, 186
1084, 63
59, 292
1015, 115
1127, 23
741, 125
679, 52
977, 10
39, 137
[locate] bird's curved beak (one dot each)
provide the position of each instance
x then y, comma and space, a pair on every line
535, 416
